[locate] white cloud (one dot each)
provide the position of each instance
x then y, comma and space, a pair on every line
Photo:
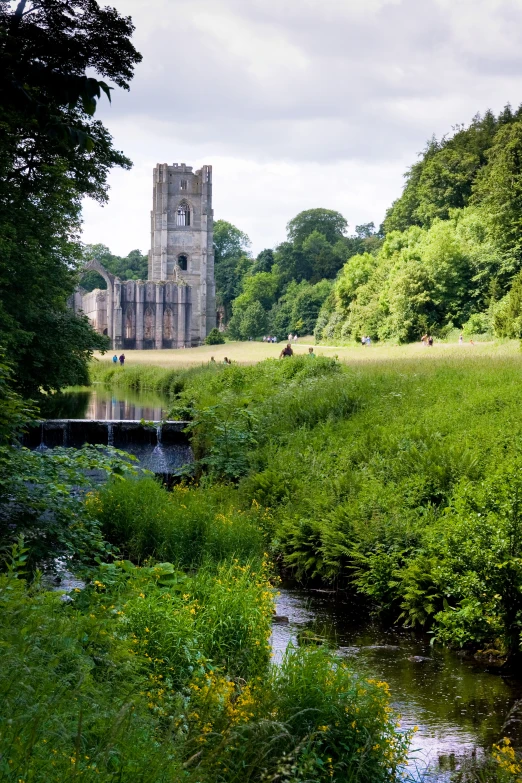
299, 103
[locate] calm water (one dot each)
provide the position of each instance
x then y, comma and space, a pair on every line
459, 707
97, 402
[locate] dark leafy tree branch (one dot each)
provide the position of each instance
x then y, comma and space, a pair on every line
56, 58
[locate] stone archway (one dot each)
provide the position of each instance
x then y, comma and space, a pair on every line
95, 266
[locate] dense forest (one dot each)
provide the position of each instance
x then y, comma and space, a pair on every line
447, 256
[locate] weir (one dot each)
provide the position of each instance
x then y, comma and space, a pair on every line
162, 447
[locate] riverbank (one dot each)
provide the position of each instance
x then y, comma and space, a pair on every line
158, 668
393, 481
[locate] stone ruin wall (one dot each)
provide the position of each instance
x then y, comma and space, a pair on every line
176, 306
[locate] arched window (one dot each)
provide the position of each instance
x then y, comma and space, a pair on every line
183, 263
183, 214
168, 324
129, 324
148, 324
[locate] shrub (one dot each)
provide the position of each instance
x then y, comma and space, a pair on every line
214, 337
478, 323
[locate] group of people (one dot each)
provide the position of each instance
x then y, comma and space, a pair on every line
269, 339
366, 340
427, 339
225, 360
120, 359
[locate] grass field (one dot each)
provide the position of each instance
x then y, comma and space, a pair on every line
252, 352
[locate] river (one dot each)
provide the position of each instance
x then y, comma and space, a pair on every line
98, 402
458, 706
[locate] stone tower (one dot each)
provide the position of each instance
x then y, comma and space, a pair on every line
182, 239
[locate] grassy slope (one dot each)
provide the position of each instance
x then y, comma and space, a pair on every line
361, 465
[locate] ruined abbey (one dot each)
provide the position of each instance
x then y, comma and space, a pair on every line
176, 306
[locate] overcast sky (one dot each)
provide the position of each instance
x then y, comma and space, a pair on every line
298, 103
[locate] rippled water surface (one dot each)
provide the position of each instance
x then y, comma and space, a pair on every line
459, 708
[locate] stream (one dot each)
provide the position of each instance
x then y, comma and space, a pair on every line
458, 706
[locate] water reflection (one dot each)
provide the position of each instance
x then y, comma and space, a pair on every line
458, 707
97, 402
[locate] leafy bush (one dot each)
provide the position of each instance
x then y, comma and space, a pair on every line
79, 706
214, 337
41, 498
478, 323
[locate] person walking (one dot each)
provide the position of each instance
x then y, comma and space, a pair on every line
122, 359
311, 352
286, 351
115, 359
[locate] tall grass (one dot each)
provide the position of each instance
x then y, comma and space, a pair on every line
152, 674
187, 527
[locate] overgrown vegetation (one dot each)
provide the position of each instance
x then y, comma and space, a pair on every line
398, 483
447, 256
158, 669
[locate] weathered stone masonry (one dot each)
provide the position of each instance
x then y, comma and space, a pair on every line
176, 307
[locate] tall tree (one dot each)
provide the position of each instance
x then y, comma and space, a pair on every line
52, 154
232, 262
498, 190
332, 225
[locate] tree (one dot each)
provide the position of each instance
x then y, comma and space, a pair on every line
254, 321
323, 257
332, 225
53, 153
498, 190
229, 241
232, 262
264, 262
443, 178
260, 288
134, 266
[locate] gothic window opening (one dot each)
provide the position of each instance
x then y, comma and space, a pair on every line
183, 184
183, 214
148, 324
183, 263
129, 324
168, 324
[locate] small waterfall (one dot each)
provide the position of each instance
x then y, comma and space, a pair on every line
42, 446
158, 459
110, 433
